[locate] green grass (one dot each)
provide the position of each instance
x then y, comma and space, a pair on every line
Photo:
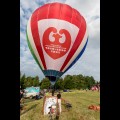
80, 101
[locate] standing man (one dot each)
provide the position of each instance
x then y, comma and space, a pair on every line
53, 91
59, 100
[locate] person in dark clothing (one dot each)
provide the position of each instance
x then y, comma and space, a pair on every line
59, 101
59, 95
53, 92
21, 95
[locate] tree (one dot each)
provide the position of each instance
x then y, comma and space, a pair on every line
69, 82
45, 83
89, 81
36, 81
22, 80
59, 84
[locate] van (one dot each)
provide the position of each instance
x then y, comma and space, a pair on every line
31, 92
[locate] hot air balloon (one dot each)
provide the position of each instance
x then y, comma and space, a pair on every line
57, 37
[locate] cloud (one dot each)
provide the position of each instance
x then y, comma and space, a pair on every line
85, 7
89, 63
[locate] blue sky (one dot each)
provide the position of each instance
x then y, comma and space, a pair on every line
89, 63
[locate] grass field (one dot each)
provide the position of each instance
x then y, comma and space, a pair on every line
80, 101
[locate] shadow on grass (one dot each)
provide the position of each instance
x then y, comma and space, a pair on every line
33, 106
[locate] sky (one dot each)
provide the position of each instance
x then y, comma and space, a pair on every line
89, 62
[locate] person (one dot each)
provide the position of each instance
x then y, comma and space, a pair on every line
59, 100
53, 92
21, 94
59, 95
37, 97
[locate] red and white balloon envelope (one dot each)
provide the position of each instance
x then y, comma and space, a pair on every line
57, 36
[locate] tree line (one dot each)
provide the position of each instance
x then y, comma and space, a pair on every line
68, 82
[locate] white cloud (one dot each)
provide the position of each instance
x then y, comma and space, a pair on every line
85, 7
29, 4
51, 1
88, 64
21, 12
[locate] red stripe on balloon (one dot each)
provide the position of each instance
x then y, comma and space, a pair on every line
76, 43
35, 34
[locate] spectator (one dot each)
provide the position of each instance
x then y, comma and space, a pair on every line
53, 92
59, 95
59, 100
21, 94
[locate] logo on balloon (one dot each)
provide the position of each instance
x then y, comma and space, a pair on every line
56, 43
